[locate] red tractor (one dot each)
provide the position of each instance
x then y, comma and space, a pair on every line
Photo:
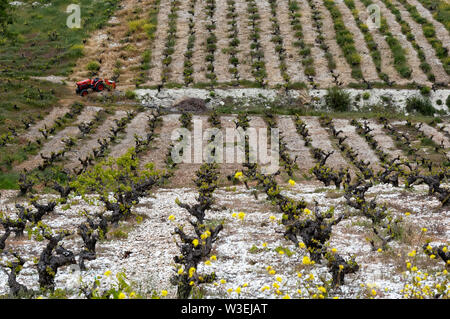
95, 84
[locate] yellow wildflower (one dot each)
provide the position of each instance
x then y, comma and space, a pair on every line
122, 296
164, 293
291, 182
171, 218
107, 273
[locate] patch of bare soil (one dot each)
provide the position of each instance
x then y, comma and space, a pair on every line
323, 76
356, 142
185, 172
387, 61
320, 139
245, 69
441, 32
430, 55
138, 125
84, 147
194, 105
198, 58
270, 56
182, 35
33, 132
295, 144
294, 67
221, 64
55, 143
367, 66
411, 54
384, 140
342, 67
159, 147
155, 72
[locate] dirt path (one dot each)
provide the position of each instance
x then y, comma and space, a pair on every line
221, 64
387, 60
342, 67
411, 54
245, 68
33, 133
435, 135
295, 144
158, 148
385, 141
270, 56
159, 43
185, 172
323, 76
356, 142
138, 125
182, 35
430, 55
84, 147
368, 68
294, 67
201, 34
54, 143
320, 139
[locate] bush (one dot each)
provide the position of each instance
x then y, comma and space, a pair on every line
93, 66
76, 51
447, 101
130, 95
366, 95
420, 105
338, 100
425, 90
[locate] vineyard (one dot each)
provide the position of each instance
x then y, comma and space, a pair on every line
130, 193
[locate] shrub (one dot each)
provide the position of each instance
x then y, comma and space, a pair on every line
425, 90
338, 99
366, 95
136, 25
420, 105
130, 95
93, 66
76, 51
447, 101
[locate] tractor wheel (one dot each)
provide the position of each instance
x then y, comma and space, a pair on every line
84, 92
99, 87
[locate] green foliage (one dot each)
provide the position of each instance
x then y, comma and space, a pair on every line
131, 95
420, 105
337, 99
32, 53
113, 175
93, 66
6, 18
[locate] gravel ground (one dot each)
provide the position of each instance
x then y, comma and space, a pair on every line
241, 255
